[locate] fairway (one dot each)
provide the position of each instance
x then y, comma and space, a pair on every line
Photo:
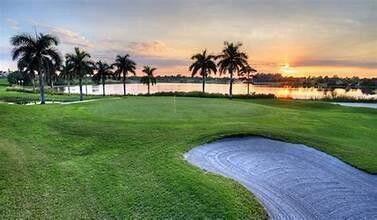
123, 158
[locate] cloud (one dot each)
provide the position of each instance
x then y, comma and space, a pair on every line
144, 48
148, 48
71, 38
337, 63
66, 36
13, 24
154, 52
141, 59
161, 61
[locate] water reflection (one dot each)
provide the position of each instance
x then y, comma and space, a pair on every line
281, 92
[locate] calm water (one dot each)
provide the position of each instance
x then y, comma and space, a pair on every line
281, 92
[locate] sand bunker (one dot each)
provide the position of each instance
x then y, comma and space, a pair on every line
292, 181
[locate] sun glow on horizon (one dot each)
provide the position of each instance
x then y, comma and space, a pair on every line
286, 69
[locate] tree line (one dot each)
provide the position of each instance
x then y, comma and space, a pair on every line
38, 56
315, 81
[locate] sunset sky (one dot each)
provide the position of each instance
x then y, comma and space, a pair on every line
296, 38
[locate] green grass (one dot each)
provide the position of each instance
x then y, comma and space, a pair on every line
123, 158
12, 95
3, 82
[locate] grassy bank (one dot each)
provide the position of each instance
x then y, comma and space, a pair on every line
123, 158
24, 96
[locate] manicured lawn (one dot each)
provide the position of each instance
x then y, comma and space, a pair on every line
123, 158
24, 97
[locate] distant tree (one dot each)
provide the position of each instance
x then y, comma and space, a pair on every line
103, 71
203, 64
67, 74
36, 53
28, 67
247, 70
149, 78
230, 61
18, 77
124, 65
51, 73
81, 66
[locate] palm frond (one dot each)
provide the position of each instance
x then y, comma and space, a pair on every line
22, 39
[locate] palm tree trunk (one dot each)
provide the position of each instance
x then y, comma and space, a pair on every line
103, 87
204, 83
34, 85
231, 85
124, 84
149, 92
41, 86
69, 87
80, 85
248, 83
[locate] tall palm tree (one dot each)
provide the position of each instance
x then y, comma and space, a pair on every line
204, 64
38, 51
124, 65
149, 78
81, 65
231, 61
103, 70
67, 74
247, 70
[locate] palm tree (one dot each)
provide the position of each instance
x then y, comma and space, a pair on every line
38, 52
103, 70
81, 65
67, 74
149, 78
124, 65
231, 60
247, 70
205, 64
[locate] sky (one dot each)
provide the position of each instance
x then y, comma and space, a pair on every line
292, 37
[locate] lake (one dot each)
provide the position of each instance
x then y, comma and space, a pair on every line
238, 88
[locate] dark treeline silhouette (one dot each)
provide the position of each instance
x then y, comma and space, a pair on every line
273, 79
310, 81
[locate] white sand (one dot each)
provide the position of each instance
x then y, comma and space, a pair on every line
292, 181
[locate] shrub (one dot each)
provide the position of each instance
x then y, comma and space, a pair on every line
16, 76
213, 95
